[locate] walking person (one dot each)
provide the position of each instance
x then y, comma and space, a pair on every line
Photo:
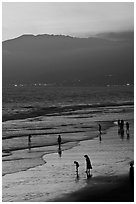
100, 128
122, 129
127, 127
77, 166
88, 166
119, 126
100, 138
119, 123
29, 142
59, 141
122, 125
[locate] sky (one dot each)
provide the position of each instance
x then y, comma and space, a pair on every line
80, 19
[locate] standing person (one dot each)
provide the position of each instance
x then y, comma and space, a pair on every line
77, 166
119, 123
88, 165
127, 127
29, 141
122, 124
59, 141
100, 138
119, 126
100, 128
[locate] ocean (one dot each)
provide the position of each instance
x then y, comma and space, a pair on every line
20, 102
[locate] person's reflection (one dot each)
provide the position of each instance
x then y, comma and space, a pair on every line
122, 134
77, 178
59, 152
100, 137
128, 136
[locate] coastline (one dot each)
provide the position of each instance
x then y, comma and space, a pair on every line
30, 185
55, 170
13, 155
35, 156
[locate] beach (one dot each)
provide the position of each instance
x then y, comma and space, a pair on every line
43, 174
67, 102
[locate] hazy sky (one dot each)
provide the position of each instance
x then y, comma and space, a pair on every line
78, 19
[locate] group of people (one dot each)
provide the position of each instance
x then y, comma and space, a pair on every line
121, 125
88, 166
88, 162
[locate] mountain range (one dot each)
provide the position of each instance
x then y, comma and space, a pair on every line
106, 58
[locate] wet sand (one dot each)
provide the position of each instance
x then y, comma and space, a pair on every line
103, 189
44, 131
56, 179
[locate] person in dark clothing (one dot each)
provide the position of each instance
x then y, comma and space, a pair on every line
119, 123
100, 138
127, 127
59, 141
88, 165
122, 125
119, 126
77, 166
29, 141
100, 128
122, 133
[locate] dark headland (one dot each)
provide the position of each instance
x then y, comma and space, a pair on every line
65, 60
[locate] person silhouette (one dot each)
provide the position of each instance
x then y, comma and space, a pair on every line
88, 166
100, 128
29, 142
119, 123
128, 136
59, 141
77, 166
122, 125
122, 134
127, 127
119, 126
100, 138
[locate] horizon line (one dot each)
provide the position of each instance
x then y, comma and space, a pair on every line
86, 35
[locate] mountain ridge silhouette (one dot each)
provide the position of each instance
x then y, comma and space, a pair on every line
61, 59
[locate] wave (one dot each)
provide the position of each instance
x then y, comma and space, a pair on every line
32, 111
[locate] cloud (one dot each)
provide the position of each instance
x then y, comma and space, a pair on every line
66, 18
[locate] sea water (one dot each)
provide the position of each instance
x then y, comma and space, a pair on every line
31, 101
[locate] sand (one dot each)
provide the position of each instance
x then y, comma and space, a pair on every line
56, 180
103, 189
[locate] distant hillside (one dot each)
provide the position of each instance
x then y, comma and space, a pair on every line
67, 60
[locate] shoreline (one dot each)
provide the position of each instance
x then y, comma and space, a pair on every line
106, 126
35, 179
32, 112
41, 151
40, 160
